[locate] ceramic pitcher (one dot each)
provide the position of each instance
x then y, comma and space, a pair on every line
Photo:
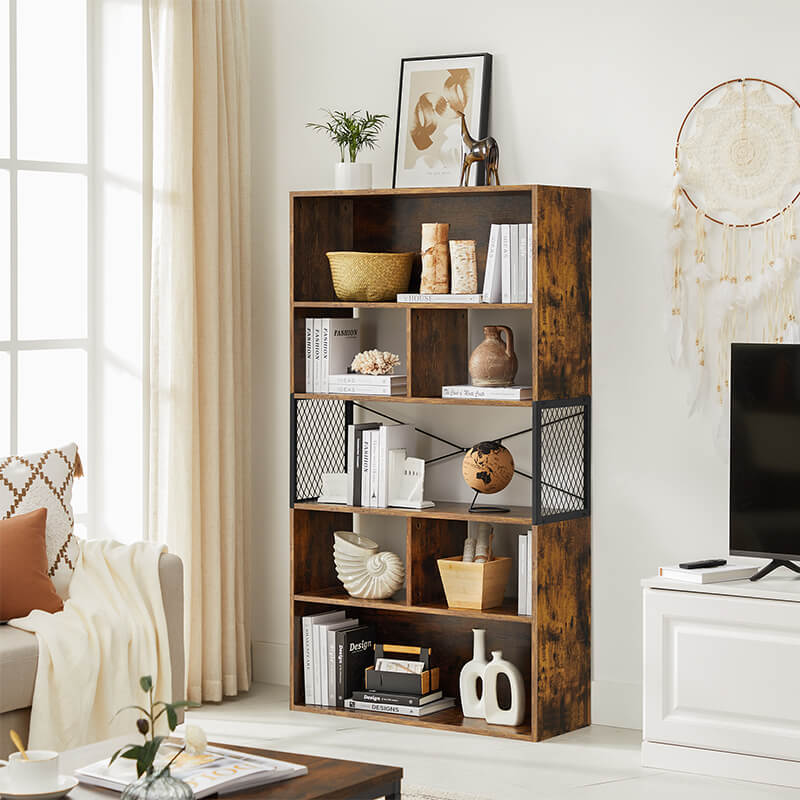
493, 362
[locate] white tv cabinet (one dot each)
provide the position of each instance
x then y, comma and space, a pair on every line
722, 678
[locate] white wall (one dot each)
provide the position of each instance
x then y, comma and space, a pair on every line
584, 93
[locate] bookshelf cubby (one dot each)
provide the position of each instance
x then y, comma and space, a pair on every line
552, 646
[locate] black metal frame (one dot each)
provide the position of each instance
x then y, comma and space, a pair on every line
575, 475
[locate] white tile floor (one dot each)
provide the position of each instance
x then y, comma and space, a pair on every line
597, 763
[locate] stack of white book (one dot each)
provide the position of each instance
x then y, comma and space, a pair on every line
368, 447
509, 264
331, 346
354, 383
525, 588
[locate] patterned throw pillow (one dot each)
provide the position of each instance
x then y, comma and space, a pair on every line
44, 480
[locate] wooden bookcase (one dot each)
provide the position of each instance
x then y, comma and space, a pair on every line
551, 647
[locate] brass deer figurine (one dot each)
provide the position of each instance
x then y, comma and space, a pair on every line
475, 150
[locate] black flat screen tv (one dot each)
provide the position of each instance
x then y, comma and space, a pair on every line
765, 451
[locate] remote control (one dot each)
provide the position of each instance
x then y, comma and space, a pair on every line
710, 562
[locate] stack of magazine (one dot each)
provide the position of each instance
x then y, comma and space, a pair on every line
216, 771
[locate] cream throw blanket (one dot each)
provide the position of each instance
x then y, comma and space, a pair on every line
91, 655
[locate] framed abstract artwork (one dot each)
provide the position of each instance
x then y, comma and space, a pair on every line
436, 92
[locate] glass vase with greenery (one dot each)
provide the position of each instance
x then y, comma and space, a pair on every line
151, 782
351, 131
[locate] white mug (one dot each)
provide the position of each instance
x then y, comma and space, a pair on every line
38, 774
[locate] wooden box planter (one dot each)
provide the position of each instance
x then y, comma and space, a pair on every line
474, 585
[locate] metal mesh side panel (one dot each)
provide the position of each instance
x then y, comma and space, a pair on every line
563, 470
320, 444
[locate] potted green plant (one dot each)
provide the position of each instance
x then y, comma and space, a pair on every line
157, 783
351, 132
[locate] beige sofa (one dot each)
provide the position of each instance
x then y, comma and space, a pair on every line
19, 654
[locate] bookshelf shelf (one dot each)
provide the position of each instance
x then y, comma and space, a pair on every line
432, 401
444, 509
337, 596
450, 719
464, 306
550, 647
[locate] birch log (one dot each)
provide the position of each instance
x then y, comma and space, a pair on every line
435, 258
463, 266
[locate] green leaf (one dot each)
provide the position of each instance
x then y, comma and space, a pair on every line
116, 755
134, 753
127, 708
172, 718
146, 682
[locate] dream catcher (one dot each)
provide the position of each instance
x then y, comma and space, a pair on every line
734, 271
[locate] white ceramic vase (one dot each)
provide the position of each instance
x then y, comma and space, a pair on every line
350, 175
515, 714
471, 672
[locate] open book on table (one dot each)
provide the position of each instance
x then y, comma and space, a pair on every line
216, 771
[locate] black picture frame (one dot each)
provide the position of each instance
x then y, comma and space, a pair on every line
480, 113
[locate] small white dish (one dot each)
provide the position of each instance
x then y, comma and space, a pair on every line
66, 783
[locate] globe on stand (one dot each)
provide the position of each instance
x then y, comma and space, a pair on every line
488, 467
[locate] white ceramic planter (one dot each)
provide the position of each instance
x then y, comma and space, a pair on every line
471, 704
347, 175
491, 706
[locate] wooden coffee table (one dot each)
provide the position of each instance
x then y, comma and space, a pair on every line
328, 778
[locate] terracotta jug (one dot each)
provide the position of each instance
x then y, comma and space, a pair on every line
494, 362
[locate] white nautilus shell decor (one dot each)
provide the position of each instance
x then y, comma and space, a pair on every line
364, 571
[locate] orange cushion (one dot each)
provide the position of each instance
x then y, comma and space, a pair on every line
24, 582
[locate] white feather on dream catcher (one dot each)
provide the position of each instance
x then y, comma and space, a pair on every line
734, 267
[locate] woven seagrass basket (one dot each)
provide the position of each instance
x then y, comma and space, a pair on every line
370, 277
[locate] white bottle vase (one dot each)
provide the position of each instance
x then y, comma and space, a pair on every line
515, 714
471, 704
349, 175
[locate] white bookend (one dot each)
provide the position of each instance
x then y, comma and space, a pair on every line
374, 438
514, 263
529, 278
341, 343
391, 437
308, 650
522, 283
309, 354
522, 547
317, 355
505, 263
491, 276
529, 579
366, 455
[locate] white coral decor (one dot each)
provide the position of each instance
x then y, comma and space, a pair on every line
375, 362
195, 740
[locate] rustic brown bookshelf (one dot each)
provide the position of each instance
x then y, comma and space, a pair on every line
552, 646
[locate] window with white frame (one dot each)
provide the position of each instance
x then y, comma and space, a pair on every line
72, 271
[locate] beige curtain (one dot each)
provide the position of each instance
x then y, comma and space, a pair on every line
200, 328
